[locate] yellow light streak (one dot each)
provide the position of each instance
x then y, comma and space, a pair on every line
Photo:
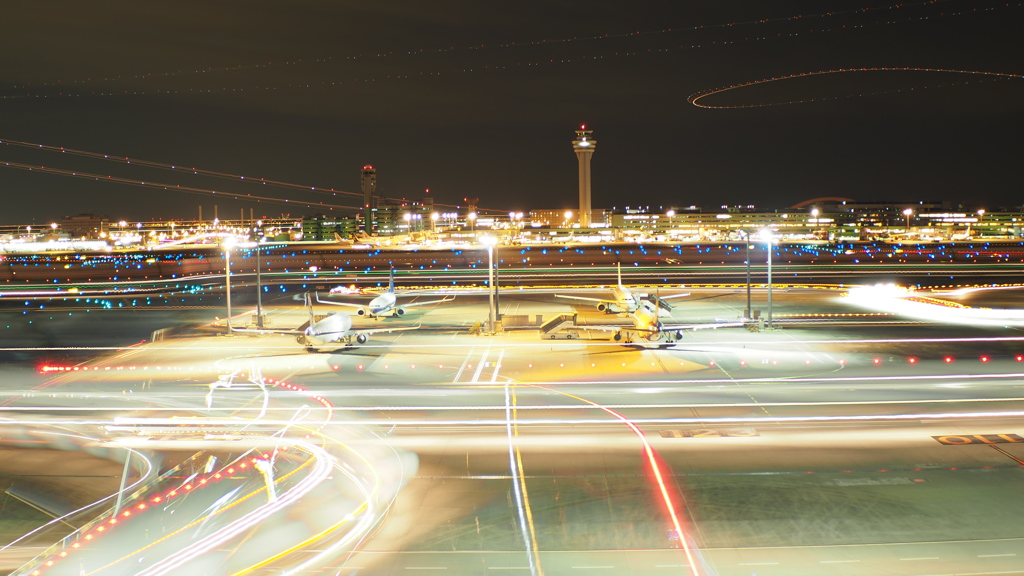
522, 483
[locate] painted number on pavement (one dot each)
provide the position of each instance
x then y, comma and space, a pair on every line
980, 439
709, 433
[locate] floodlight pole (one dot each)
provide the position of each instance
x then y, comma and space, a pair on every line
497, 298
227, 283
746, 240
769, 243
259, 288
490, 288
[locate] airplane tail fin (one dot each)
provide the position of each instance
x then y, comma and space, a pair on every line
657, 306
309, 308
391, 281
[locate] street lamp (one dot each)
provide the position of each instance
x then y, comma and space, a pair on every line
228, 243
490, 241
671, 214
766, 235
259, 284
433, 222
472, 223
746, 241
981, 216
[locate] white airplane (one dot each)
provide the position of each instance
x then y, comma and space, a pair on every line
623, 300
648, 327
386, 304
330, 330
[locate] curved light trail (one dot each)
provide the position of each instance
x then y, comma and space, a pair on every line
653, 461
331, 463
696, 98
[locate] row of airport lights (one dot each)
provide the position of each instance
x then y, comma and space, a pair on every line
488, 241
765, 234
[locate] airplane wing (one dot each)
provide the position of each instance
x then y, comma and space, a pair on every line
424, 303
291, 331
673, 296
586, 299
705, 326
369, 331
609, 327
347, 304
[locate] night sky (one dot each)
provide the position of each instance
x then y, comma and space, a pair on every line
475, 98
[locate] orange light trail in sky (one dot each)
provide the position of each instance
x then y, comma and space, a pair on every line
183, 170
159, 186
695, 99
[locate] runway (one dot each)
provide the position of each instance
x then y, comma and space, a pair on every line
843, 443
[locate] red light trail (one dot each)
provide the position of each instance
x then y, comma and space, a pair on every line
191, 171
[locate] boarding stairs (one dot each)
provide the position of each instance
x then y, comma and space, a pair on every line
561, 327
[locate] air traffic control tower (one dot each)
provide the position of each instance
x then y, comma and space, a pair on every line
368, 185
584, 146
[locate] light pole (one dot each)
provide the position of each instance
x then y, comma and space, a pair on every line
490, 241
472, 223
671, 214
815, 221
766, 234
981, 216
746, 241
228, 243
908, 212
259, 283
433, 223
517, 223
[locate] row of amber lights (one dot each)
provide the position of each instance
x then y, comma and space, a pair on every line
360, 367
46, 368
202, 481
295, 388
934, 301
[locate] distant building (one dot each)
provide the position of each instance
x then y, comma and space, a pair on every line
88, 226
565, 218
400, 217
321, 227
